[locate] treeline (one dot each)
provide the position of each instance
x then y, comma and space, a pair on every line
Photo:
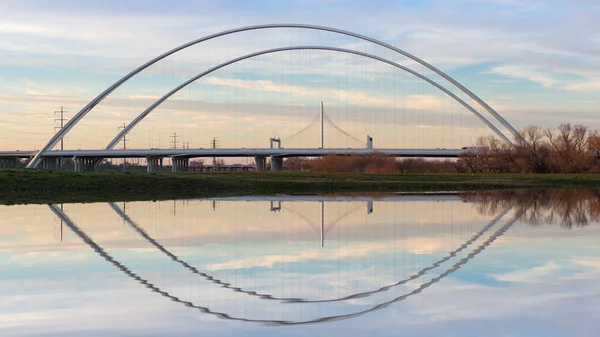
374, 163
567, 149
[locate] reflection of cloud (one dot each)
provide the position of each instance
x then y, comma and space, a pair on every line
533, 275
591, 264
269, 261
416, 245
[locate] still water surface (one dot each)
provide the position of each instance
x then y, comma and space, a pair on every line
493, 264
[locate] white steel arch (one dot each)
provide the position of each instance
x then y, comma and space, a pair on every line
77, 117
161, 100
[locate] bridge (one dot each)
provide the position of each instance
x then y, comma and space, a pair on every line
86, 160
458, 96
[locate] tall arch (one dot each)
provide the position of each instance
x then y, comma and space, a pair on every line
151, 108
77, 117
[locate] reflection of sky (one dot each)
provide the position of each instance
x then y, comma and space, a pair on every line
533, 281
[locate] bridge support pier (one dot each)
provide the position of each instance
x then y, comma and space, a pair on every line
275, 205
180, 164
85, 164
276, 163
154, 164
260, 162
51, 163
10, 162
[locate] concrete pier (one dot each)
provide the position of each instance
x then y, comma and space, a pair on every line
154, 164
51, 163
260, 162
9, 162
180, 164
85, 164
276, 163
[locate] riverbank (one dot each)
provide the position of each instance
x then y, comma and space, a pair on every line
39, 186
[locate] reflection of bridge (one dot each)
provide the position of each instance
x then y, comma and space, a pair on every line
503, 228
85, 160
276, 202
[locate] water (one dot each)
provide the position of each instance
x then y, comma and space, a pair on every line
493, 264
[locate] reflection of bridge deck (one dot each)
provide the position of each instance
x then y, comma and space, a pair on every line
421, 196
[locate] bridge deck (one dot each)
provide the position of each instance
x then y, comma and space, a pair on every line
191, 153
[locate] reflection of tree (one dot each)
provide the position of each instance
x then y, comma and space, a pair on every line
569, 208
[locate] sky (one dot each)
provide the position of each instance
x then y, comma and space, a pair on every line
535, 62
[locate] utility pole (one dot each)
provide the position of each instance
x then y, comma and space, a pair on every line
174, 140
215, 144
62, 124
322, 224
124, 147
322, 129
61, 226
61, 223
186, 145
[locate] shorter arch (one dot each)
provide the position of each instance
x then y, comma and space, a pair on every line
142, 115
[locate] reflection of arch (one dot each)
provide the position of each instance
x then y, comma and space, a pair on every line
215, 280
206, 310
142, 115
77, 117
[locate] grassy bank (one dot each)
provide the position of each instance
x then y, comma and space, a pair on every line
39, 186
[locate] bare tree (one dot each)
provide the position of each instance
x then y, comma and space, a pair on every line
219, 163
197, 163
594, 145
568, 144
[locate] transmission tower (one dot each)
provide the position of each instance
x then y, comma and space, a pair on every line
174, 140
214, 144
62, 120
124, 147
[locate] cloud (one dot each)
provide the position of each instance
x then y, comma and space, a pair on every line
524, 73
591, 85
418, 101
